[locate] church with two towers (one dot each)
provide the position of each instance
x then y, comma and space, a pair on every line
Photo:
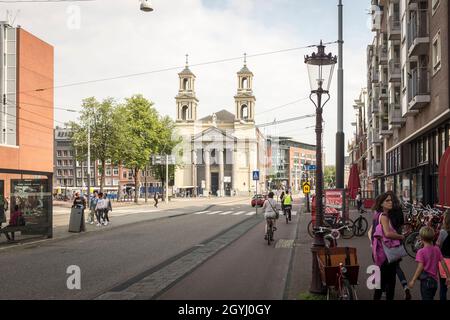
220, 152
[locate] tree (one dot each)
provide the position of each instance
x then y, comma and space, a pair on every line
139, 134
99, 117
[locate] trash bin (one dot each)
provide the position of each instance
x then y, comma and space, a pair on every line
76, 220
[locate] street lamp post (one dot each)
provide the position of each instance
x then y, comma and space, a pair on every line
320, 70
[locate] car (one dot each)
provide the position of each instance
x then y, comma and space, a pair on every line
258, 200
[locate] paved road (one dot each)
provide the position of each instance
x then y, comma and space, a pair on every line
108, 259
248, 269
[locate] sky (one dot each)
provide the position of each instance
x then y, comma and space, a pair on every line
108, 38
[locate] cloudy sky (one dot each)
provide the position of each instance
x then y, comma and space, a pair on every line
107, 38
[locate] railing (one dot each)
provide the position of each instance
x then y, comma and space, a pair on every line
418, 27
394, 25
419, 83
383, 53
395, 113
394, 68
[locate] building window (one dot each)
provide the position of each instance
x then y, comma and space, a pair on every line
108, 162
79, 173
65, 172
65, 153
184, 113
58, 163
244, 112
436, 52
108, 171
115, 172
59, 173
58, 153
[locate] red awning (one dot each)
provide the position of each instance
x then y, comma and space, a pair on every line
353, 181
444, 179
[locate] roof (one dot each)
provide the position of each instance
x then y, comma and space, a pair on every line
245, 70
187, 72
222, 116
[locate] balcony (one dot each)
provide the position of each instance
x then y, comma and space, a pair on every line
375, 77
418, 34
374, 136
395, 116
375, 105
394, 28
419, 89
395, 73
383, 55
384, 129
377, 168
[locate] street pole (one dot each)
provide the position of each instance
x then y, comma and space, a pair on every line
167, 178
316, 282
340, 136
145, 184
308, 209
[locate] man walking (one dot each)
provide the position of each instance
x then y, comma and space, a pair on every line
92, 204
107, 209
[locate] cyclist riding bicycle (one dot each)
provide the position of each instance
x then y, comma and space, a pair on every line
287, 201
270, 212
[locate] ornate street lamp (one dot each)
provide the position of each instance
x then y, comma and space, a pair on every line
146, 6
320, 70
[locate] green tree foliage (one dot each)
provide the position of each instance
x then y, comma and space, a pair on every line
103, 134
330, 177
139, 135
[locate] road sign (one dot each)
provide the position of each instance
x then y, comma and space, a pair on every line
311, 167
161, 159
306, 188
255, 175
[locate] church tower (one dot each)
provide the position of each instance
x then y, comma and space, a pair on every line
186, 100
245, 100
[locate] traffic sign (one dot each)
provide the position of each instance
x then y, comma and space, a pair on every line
311, 167
256, 175
306, 188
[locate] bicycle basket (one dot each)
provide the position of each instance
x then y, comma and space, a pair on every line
329, 260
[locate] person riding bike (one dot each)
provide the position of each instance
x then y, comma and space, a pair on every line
270, 212
287, 202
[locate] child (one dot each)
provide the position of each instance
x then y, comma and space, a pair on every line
427, 270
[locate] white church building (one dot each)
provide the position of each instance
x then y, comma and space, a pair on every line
220, 152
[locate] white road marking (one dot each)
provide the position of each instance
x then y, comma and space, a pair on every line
238, 213
225, 213
214, 212
201, 212
252, 213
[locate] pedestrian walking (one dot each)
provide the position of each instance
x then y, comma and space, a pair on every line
383, 234
156, 197
398, 220
428, 259
92, 204
443, 243
359, 201
108, 207
99, 209
3, 209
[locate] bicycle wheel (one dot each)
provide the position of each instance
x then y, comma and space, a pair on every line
406, 229
347, 292
412, 244
311, 229
360, 226
349, 232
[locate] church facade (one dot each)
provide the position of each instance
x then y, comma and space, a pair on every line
219, 152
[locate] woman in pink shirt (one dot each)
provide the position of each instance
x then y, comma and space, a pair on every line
427, 271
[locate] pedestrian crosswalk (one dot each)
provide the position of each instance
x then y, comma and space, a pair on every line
232, 213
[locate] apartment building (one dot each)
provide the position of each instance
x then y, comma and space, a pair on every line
408, 97
287, 161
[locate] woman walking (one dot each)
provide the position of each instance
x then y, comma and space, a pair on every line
382, 230
398, 220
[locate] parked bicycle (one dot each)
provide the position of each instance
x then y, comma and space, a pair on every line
361, 225
345, 227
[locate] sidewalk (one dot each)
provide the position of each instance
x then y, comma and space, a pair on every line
301, 271
123, 215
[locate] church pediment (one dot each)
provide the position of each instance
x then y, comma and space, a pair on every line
213, 134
